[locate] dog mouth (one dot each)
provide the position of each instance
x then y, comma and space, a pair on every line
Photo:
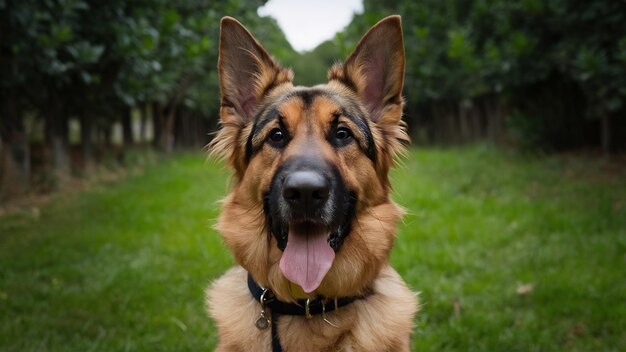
309, 246
308, 255
309, 211
337, 227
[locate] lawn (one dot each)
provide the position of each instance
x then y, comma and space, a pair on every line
509, 252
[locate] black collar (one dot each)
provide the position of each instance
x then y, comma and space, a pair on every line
316, 306
305, 307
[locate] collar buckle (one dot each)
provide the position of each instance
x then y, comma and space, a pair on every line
307, 309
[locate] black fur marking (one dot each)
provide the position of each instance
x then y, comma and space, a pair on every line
273, 227
337, 214
263, 118
369, 148
349, 209
306, 96
347, 82
349, 109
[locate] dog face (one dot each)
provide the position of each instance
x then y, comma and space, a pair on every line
309, 213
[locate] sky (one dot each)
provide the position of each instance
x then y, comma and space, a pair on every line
307, 23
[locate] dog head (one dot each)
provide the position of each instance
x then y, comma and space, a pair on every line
309, 213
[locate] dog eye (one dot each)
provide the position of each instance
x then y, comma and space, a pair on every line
343, 133
276, 138
340, 137
276, 135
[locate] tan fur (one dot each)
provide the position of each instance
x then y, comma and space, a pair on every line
384, 320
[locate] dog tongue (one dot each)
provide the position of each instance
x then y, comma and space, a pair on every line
307, 256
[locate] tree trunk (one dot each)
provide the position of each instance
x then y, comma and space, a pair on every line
107, 136
493, 123
86, 140
172, 110
14, 136
157, 124
452, 134
605, 134
9, 178
143, 127
438, 123
476, 129
168, 130
20, 150
127, 127
14, 160
169, 133
57, 126
463, 109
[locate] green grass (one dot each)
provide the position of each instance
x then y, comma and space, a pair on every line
118, 268
124, 266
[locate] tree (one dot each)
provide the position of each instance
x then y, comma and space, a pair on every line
96, 61
476, 67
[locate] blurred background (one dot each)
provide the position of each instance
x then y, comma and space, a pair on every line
85, 81
515, 183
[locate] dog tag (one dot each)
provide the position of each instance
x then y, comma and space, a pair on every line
263, 322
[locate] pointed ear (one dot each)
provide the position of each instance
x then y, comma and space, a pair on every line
247, 72
375, 70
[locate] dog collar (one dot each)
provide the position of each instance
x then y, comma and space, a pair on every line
302, 307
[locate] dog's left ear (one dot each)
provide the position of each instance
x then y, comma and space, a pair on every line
375, 70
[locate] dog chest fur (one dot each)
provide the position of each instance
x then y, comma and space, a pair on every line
381, 322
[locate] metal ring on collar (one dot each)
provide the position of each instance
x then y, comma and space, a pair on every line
307, 310
262, 299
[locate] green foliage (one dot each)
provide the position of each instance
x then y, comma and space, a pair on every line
466, 51
115, 54
524, 130
311, 67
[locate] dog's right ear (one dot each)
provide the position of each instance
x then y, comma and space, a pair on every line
247, 72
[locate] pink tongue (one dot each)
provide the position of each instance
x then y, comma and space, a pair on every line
307, 257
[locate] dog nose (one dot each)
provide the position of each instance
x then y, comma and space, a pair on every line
305, 191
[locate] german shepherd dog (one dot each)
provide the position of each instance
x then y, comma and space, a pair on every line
309, 218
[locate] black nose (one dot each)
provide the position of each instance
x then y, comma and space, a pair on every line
305, 191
